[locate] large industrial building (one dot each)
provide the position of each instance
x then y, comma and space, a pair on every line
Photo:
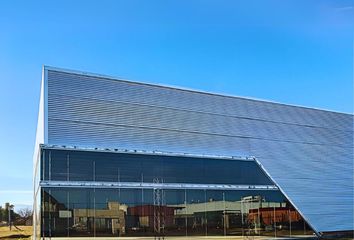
116, 158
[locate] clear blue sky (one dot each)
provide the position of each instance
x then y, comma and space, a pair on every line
298, 52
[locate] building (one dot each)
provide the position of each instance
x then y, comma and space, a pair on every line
120, 158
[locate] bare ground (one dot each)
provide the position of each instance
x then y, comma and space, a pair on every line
24, 232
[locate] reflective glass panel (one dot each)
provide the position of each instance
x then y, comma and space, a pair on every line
123, 167
75, 212
82, 212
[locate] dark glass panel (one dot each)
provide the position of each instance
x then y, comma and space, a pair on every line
107, 169
81, 166
151, 167
114, 167
233, 212
146, 213
110, 213
55, 213
196, 212
45, 213
118, 167
135, 211
58, 165
265, 213
174, 213
81, 206
71, 212
44, 171
220, 171
129, 169
183, 170
215, 209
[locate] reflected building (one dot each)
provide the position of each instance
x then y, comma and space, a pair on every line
115, 158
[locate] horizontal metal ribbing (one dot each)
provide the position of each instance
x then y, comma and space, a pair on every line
144, 152
116, 185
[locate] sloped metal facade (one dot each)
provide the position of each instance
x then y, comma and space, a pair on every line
40, 132
308, 152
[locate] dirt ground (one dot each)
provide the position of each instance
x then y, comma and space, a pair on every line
25, 232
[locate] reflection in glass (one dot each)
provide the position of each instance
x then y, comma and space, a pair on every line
196, 213
174, 213
71, 212
186, 210
82, 212
65, 165
215, 210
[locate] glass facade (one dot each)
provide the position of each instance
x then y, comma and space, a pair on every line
69, 212
64, 165
98, 211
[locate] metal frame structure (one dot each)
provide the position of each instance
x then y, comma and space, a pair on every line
158, 153
158, 186
154, 185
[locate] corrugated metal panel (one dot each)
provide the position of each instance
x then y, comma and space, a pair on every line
308, 152
126, 114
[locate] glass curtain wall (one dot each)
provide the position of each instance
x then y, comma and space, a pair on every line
66, 165
71, 212
99, 211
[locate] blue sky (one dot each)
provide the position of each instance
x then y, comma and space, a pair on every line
297, 52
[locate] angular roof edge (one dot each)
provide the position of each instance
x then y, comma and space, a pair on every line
90, 74
145, 152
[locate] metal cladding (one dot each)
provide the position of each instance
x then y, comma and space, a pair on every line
307, 152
